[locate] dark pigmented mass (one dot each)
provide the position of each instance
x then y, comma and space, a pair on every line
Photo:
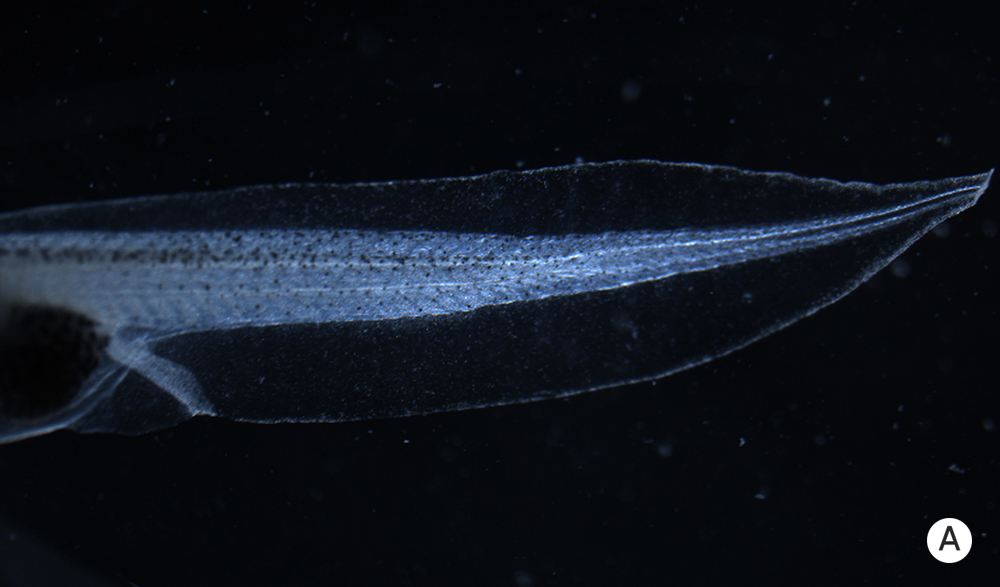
45, 355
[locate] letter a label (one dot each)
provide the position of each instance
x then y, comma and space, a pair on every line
949, 540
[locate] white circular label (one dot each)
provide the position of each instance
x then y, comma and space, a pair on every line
949, 540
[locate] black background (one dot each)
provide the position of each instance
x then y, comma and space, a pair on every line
823, 453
